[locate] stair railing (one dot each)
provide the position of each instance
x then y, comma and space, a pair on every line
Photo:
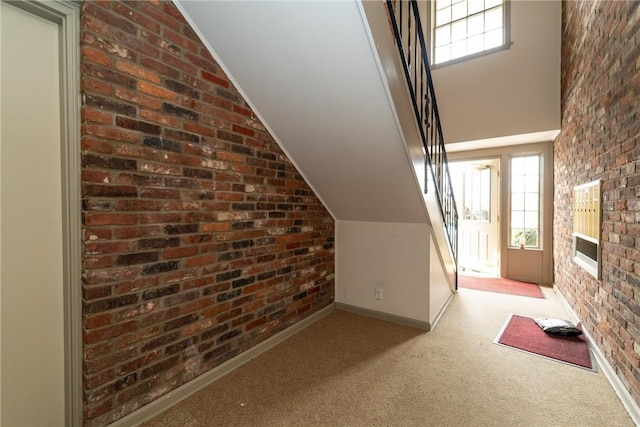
407, 28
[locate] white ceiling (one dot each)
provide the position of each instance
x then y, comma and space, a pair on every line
309, 71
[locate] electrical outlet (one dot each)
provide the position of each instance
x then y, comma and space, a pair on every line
378, 293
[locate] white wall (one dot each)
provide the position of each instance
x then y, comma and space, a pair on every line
510, 92
391, 256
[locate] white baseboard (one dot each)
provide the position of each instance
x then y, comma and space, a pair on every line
165, 402
623, 394
384, 316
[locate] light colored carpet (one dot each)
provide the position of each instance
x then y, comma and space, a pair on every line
350, 370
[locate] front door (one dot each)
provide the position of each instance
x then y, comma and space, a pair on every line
476, 191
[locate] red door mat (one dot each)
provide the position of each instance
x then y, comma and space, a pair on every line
523, 333
500, 285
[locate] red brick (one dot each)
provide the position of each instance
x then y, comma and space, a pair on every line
243, 130
173, 162
180, 40
95, 145
215, 79
97, 116
95, 55
157, 91
109, 219
160, 118
172, 253
603, 138
138, 98
155, 12
109, 332
97, 86
136, 17
137, 71
110, 133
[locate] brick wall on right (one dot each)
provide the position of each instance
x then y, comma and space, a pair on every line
600, 139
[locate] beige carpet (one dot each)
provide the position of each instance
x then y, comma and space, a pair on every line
349, 370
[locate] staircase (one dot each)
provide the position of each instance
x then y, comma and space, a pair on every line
409, 36
360, 123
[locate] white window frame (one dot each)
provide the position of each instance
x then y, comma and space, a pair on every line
506, 29
511, 244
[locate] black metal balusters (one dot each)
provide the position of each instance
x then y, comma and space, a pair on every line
407, 27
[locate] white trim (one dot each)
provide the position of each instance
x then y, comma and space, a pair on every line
419, 324
443, 309
609, 372
165, 402
502, 141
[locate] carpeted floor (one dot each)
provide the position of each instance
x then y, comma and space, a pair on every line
349, 370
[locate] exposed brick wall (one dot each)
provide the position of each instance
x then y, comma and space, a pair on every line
600, 139
200, 237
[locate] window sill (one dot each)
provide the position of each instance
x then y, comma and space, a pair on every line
472, 56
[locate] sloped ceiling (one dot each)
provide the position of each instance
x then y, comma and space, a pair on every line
309, 71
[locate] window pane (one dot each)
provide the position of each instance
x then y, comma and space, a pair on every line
493, 18
488, 4
475, 44
531, 183
475, 6
443, 16
475, 25
525, 236
459, 10
443, 54
532, 166
517, 219
517, 165
493, 39
517, 184
532, 238
517, 202
443, 35
531, 219
459, 30
442, 4
515, 237
458, 49
531, 202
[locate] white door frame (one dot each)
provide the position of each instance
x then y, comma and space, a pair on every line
495, 207
66, 14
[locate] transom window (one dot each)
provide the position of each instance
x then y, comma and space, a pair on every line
525, 202
466, 27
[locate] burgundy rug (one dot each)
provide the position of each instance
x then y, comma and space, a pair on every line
500, 285
524, 334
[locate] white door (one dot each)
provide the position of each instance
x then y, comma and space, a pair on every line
32, 381
477, 197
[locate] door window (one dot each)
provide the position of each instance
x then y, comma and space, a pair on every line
477, 195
